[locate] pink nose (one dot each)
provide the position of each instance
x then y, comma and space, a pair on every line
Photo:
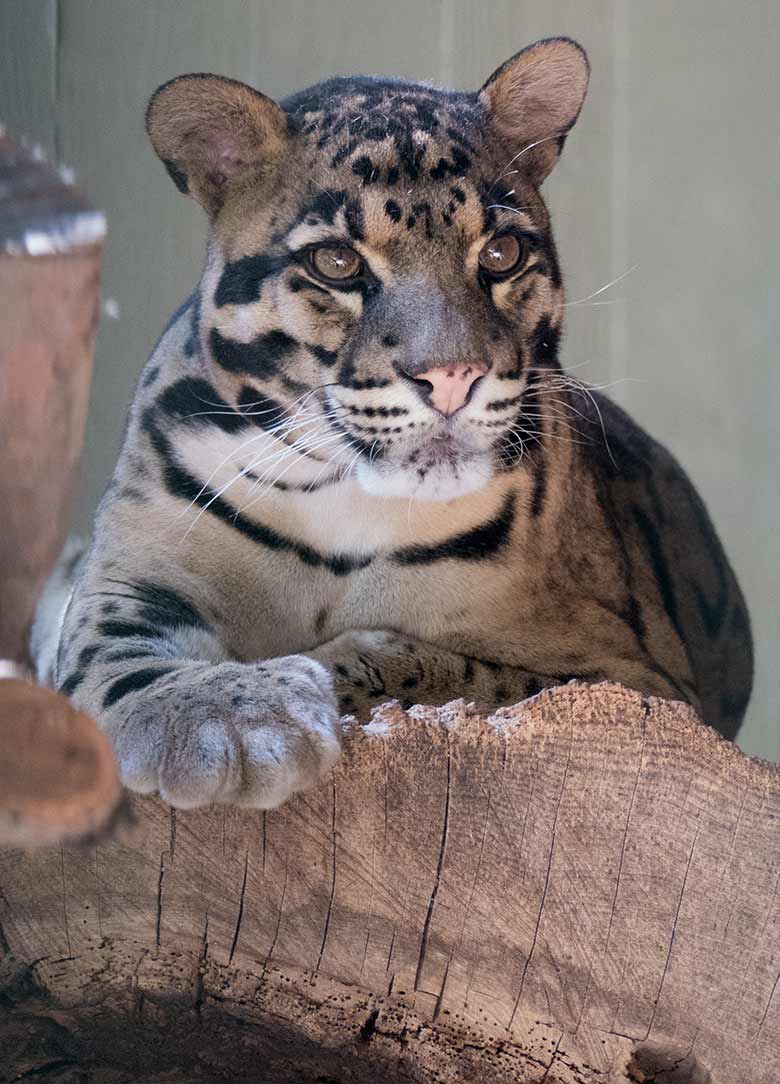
451, 385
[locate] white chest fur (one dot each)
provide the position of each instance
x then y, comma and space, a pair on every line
280, 603
269, 483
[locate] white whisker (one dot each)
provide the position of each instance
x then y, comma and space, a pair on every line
593, 304
297, 450
541, 434
282, 426
270, 482
525, 150
607, 286
236, 477
504, 207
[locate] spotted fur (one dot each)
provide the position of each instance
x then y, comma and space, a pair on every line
291, 522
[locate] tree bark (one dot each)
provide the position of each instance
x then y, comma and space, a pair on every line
581, 889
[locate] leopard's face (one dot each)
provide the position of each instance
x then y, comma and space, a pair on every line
384, 300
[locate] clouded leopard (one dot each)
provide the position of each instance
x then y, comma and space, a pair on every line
354, 468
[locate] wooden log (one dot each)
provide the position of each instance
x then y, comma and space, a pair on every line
50, 246
581, 889
58, 778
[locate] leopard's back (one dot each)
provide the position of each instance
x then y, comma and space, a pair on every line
674, 556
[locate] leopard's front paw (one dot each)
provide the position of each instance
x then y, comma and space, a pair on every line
370, 666
247, 734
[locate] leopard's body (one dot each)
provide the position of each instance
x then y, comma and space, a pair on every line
290, 509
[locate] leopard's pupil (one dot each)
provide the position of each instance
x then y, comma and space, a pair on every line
500, 254
336, 263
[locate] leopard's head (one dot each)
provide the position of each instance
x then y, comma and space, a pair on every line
381, 280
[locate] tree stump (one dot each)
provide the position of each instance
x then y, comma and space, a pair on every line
580, 889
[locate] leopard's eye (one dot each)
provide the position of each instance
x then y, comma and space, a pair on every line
335, 263
501, 255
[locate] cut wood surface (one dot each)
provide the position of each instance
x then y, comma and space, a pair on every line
50, 247
582, 889
58, 777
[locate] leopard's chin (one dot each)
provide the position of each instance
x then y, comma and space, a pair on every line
432, 476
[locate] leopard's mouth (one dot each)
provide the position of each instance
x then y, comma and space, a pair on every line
443, 451
440, 467
444, 447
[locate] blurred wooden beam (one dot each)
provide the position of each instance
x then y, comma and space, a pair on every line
50, 247
58, 780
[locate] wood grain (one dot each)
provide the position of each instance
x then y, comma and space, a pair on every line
582, 889
58, 778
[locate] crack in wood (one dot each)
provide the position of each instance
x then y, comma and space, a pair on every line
621, 860
265, 826
476, 962
99, 896
440, 996
333, 878
385, 787
732, 905
553, 1059
757, 941
140, 995
625, 832
158, 917
365, 954
240, 910
754, 1048
390, 950
437, 879
198, 990
65, 900
370, 909
269, 954
529, 957
673, 935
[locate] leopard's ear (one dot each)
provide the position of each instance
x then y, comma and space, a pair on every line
215, 135
534, 99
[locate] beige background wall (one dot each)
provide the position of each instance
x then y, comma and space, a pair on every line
670, 179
